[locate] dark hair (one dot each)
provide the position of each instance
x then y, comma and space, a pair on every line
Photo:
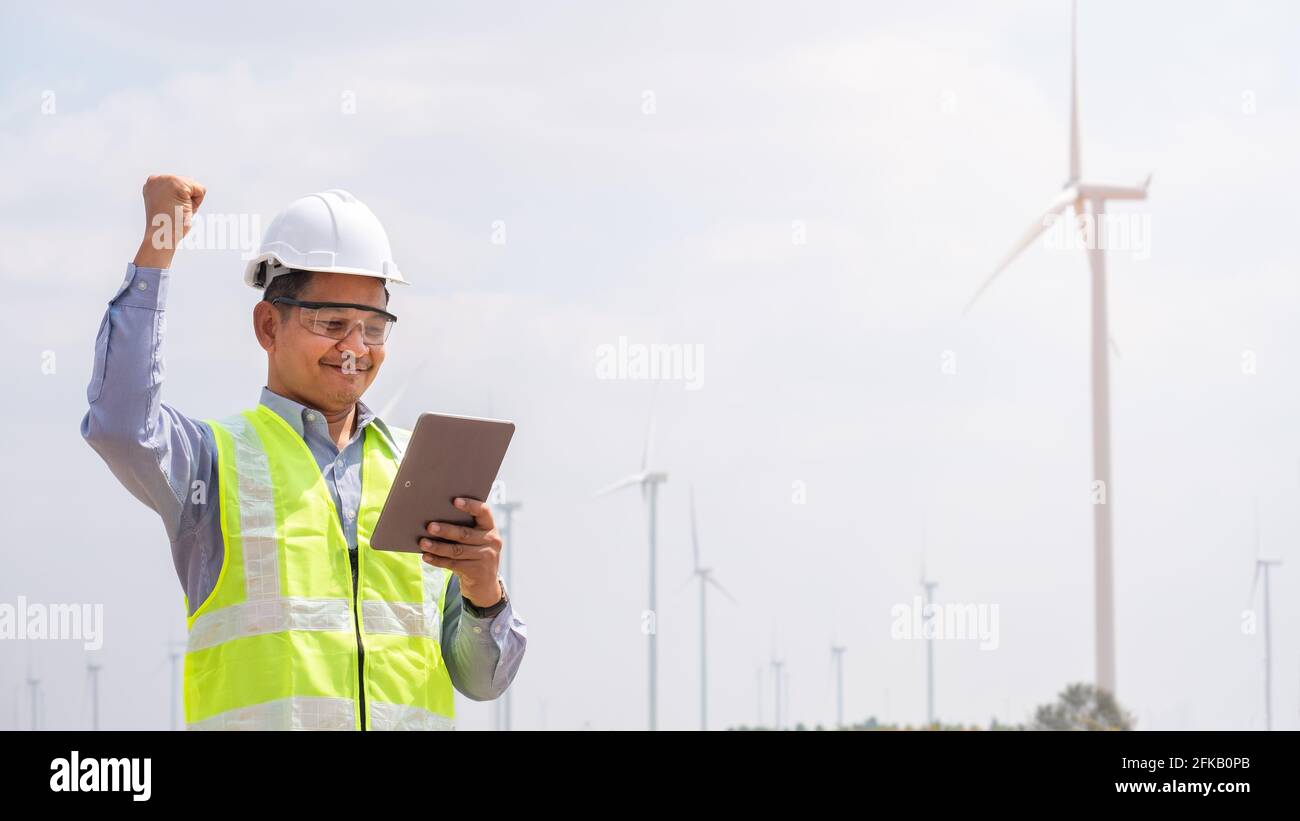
292, 284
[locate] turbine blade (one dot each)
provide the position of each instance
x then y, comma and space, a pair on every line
1114, 346
649, 431
695, 541
1256, 508
620, 484
386, 412
1032, 233
649, 443
925, 543
1254, 582
722, 590
1074, 92
689, 579
1112, 191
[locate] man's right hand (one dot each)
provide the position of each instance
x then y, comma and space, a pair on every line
170, 202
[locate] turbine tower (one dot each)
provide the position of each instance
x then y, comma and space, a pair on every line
705, 575
648, 480
837, 657
175, 654
1088, 200
1262, 566
507, 507
92, 675
928, 585
777, 666
33, 682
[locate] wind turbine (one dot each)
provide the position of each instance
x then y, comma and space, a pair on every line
928, 585
92, 675
175, 653
705, 575
776, 687
1262, 567
34, 685
648, 480
1089, 202
508, 508
837, 657
785, 695
174, 658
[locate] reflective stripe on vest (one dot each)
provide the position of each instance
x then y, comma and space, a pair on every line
274, 645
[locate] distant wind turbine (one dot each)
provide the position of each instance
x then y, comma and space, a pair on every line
175, 653
1262, 566
786, 699
92, 676
837, 657
705, 576
507, 507
928, 585
1089, 200
777, 666
34, 686
648, 480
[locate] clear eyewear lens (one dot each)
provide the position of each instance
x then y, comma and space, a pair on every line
337, 323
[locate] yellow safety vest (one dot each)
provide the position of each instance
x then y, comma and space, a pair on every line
275, 645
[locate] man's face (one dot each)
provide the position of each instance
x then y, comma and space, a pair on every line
328, 374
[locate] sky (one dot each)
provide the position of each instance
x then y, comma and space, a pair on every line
807, 194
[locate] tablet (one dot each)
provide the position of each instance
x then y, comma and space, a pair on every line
447, 457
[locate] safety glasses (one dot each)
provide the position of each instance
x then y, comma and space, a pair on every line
337, 319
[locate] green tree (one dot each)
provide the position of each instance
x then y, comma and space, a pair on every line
1082, 707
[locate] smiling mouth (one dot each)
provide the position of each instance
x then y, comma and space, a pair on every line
340, 368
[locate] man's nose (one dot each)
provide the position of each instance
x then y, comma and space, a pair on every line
355, 341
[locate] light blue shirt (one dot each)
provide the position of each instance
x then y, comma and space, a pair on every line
158, 454
342, 471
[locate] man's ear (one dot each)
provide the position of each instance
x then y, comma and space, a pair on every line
266, 324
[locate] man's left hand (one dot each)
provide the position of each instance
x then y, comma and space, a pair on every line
472, 553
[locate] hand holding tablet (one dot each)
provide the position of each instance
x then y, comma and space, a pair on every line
435, 505
448, 457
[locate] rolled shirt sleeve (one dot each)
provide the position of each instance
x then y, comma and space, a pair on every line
482, 653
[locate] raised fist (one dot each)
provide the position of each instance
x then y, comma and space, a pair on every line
171, 195
170, 202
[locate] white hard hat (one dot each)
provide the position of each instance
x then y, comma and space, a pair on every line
332, 231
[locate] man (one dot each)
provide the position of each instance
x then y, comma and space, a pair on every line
294, 621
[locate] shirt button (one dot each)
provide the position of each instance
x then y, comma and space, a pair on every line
311, 417
142, 285
478, 629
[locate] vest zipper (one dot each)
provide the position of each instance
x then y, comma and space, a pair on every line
361, 650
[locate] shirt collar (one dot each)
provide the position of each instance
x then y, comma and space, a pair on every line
295, 412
